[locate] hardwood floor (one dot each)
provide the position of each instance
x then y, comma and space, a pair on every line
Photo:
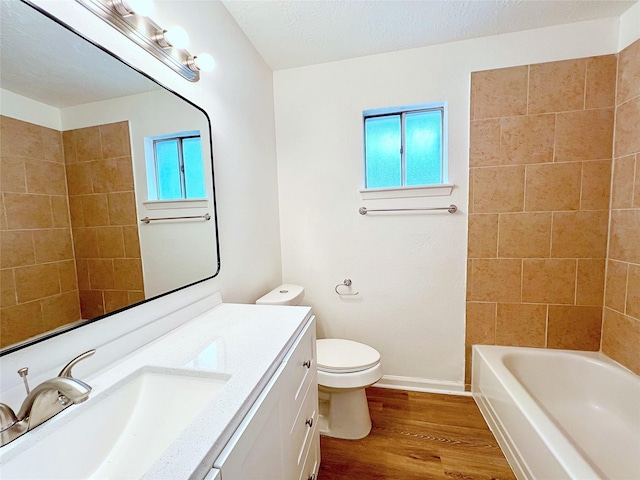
417, 436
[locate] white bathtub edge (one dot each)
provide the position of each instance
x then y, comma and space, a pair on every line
499, 431
519, 470
546, 453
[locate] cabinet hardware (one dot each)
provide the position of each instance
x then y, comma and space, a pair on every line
311, 477
309, 422
307, 364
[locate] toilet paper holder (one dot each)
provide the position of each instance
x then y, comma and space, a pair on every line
346, 283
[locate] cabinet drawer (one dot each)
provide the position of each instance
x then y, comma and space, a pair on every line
306, 424
312, 461
303, 363
300, 372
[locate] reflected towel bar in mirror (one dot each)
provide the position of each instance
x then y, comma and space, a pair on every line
451, 209
206, 216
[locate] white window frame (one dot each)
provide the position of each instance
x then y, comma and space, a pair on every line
405, 191
152, 201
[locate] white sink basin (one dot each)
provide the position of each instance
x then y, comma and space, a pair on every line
121, 432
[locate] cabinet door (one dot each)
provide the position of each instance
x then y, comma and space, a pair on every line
257, 452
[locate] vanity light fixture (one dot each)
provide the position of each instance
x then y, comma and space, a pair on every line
144, 8
176, 37
130, 17
204, 62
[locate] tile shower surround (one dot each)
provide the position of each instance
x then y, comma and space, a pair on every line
540, 200
103, 217
621, 328
37, 267
51, 210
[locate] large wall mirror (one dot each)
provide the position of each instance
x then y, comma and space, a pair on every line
107, 192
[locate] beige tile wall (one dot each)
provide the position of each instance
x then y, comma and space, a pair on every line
37, 266
621, 329
103, 217
540, 170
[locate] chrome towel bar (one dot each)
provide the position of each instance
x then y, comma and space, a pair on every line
451, 209
206, 216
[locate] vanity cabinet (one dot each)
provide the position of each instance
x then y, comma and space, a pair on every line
279, 436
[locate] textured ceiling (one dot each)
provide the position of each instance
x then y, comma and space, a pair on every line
43, 61
305, 32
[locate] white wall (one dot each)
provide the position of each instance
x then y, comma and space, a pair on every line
28, 110
410, 269
238, 98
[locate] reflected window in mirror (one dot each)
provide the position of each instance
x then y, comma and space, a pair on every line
175, 170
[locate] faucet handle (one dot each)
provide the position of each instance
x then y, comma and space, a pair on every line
66, 371
7, 417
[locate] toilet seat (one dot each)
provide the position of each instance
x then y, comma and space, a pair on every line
352, 380
347, 364
336, 355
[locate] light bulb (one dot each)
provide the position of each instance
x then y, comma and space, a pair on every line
143, 8
204, 62
177, 37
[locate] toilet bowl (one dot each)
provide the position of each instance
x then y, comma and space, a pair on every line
345, 369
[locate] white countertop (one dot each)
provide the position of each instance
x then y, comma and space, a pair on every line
247, 342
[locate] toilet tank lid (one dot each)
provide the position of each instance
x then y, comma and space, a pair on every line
339, 355
285, 294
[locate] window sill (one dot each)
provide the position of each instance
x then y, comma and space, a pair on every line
184, 203
440, 190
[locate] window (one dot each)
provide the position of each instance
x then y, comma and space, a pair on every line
405, 146
174, 167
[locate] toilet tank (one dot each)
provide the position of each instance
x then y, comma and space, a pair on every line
285, 294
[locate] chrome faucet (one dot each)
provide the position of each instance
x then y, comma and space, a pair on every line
44, 401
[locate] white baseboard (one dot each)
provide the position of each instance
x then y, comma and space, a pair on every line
416, 384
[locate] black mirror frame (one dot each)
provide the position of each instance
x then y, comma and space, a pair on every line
46, 336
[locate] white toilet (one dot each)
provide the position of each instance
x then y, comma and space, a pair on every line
345, 369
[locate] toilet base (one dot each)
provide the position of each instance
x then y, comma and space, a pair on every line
344, 413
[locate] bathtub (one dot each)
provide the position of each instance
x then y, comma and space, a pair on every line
560, 413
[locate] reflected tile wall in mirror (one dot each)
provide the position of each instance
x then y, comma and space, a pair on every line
39, 286
103, 217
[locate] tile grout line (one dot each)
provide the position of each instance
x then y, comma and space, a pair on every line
524, 195
575, 287
636, 173
546, 327
626, 290
611, 185
528, 85
585, 83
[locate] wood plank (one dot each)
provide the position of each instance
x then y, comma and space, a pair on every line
417, 436
465, 465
